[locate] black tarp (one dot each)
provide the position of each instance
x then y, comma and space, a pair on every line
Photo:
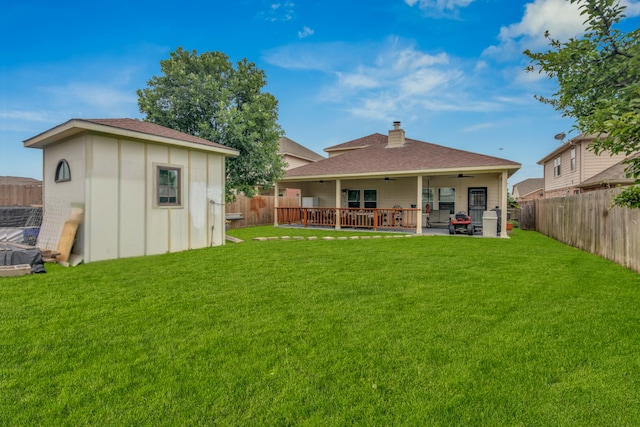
10, 255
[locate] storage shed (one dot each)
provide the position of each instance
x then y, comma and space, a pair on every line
144, 189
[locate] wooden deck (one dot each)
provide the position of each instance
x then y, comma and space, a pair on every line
389, 218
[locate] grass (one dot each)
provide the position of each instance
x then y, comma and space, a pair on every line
439, 330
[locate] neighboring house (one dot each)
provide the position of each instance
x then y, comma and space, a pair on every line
294, 155
614, 176
529, 189
572, 164
386, 171
144, 189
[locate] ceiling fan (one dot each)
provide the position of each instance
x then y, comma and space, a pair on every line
461, 175
386, 178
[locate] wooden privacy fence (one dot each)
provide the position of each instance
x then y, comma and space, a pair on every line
20, 195
588, 222
258, 210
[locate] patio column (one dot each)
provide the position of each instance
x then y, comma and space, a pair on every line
419, 205
338, 199
503, 204
275, 204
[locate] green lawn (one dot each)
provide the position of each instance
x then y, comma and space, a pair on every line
439, 330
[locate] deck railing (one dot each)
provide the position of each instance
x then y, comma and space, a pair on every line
387, 218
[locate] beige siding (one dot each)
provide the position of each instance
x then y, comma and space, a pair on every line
198, 202
179, 216
216, 199
102, 200
295, 162
133, 189
59, 197
567, 178
157, 224
588, 164
402, 191
593, 165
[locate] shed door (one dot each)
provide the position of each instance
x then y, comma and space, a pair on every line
477, 204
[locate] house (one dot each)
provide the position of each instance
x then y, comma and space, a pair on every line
393, 181
143, 188
529, 189
572, 164
295, 155
614, 176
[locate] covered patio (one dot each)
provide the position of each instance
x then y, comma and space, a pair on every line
389, 182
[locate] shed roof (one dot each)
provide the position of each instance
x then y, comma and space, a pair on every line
370, 155
125, 127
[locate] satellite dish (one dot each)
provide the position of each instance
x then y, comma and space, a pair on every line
560, 136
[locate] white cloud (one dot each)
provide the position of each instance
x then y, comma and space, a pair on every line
94, 95
306, 32
391, 79
479, 126
30, 116
633, 7
282, 11
560, 17
439, 5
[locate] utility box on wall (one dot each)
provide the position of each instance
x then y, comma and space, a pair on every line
310, 202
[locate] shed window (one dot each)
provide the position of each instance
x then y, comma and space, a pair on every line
63, 173
168, 186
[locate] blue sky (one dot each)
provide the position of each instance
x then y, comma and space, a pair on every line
450, 70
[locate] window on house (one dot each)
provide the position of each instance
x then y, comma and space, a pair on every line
447, 199
556, 166
63, 173
168, 188
371, 199
573, 159
353, 198
427, 199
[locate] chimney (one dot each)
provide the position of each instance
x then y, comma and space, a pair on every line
396, 136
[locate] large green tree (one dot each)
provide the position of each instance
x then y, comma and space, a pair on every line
206, 96
598, 75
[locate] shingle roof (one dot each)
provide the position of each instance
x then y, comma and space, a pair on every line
528, 186
121, 125
376, 158
152, 129
292, 148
